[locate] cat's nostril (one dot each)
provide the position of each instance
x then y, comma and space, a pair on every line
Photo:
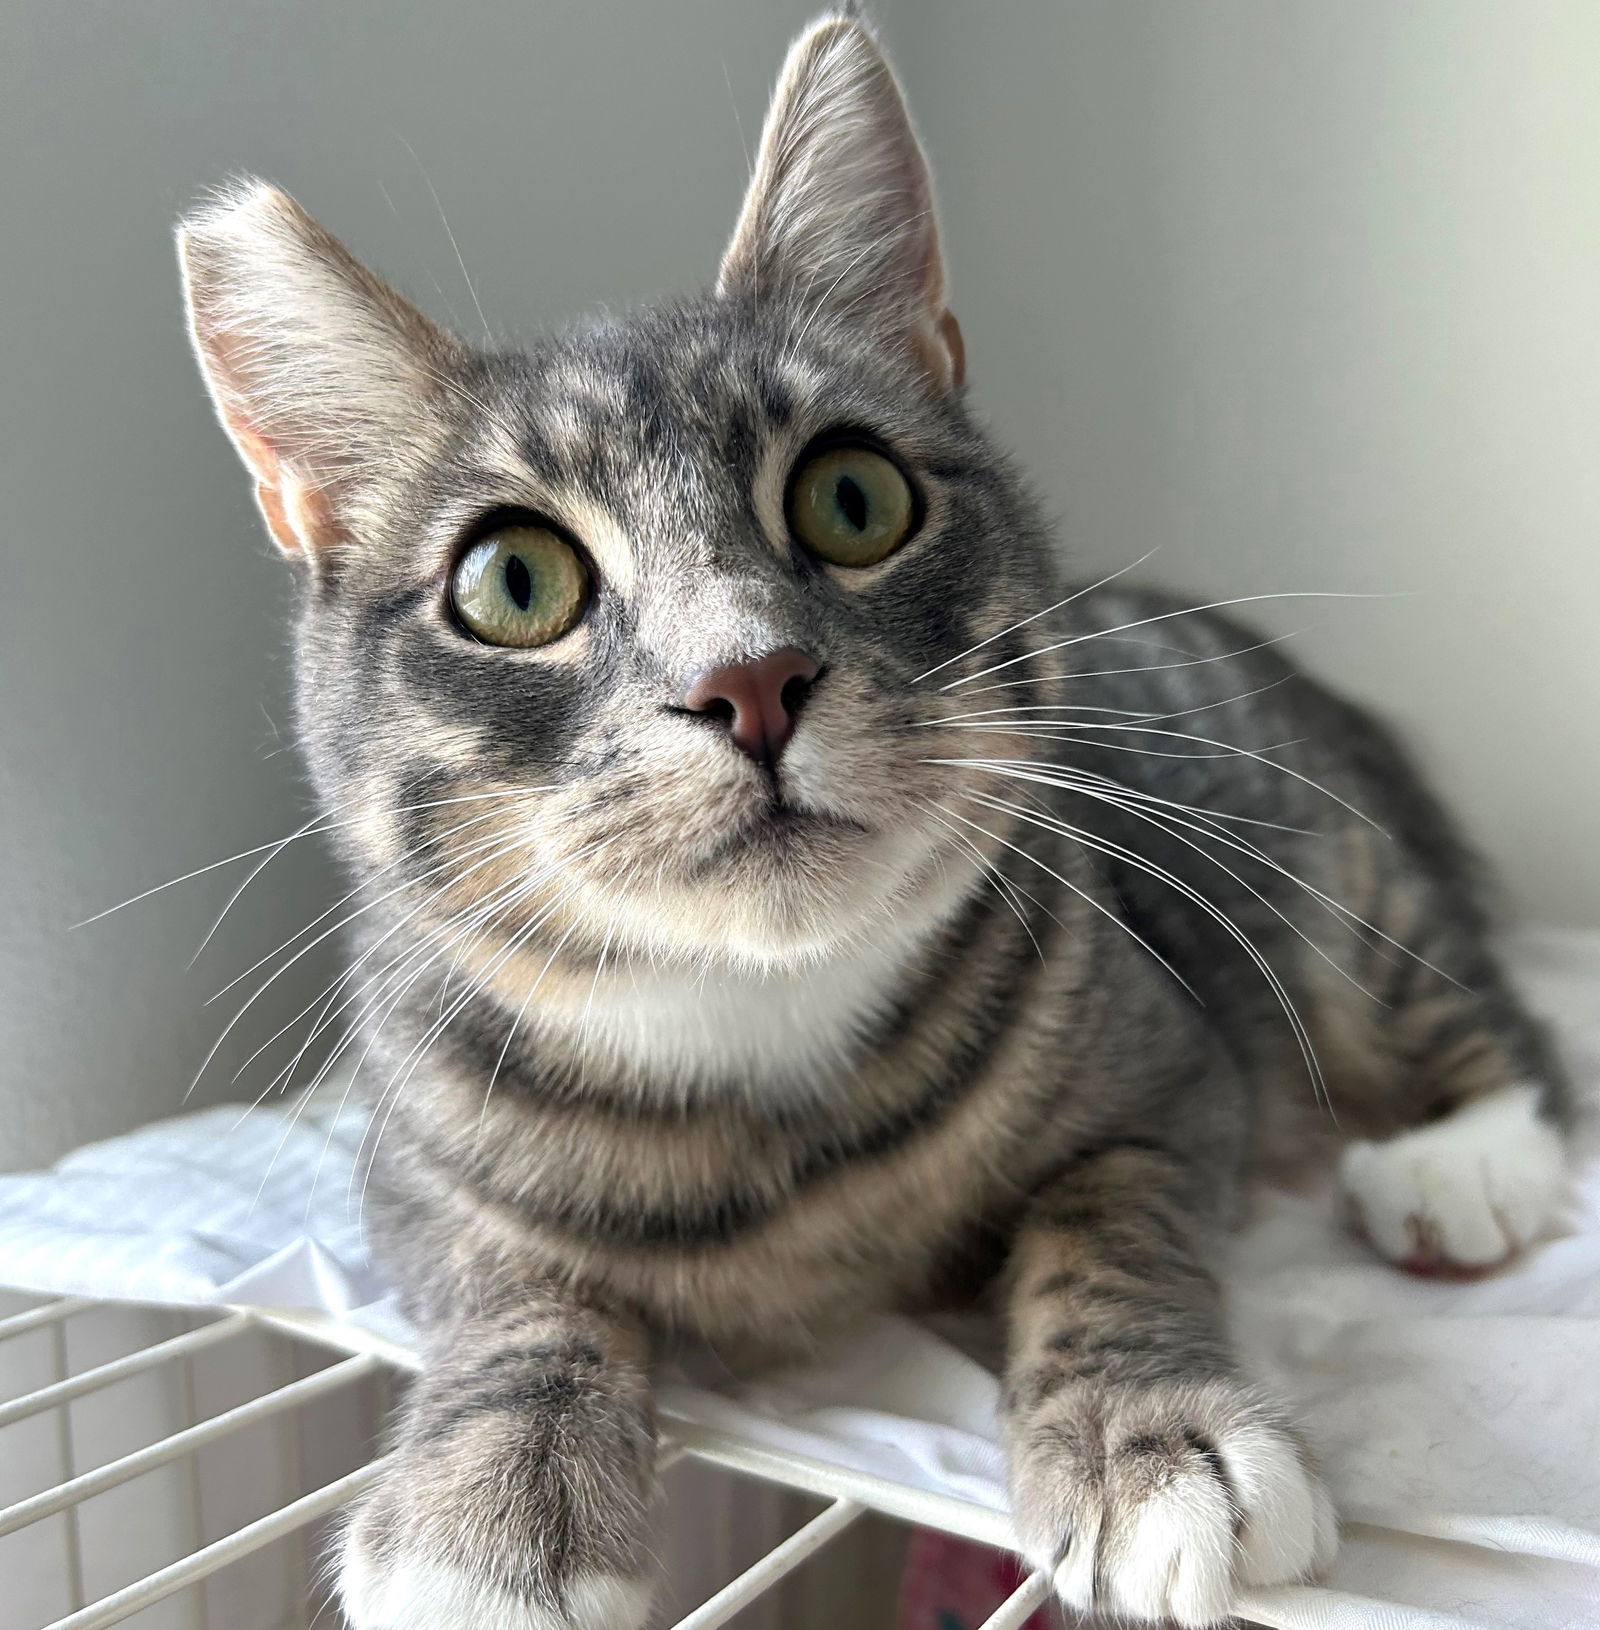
795, 694
758, 700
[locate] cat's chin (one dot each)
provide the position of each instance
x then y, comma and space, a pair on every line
800, 886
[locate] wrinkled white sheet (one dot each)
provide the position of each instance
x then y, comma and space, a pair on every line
1459, 1425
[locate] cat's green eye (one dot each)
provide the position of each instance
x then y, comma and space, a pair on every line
520, 586
851, 505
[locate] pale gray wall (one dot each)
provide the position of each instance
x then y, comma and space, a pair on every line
1306, 293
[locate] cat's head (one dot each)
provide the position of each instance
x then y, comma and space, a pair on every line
627, 632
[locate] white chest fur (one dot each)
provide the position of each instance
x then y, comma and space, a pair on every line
783, 1030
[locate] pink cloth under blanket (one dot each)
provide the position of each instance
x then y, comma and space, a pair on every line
953, 1584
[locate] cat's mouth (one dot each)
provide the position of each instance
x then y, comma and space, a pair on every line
777, 830
781, 819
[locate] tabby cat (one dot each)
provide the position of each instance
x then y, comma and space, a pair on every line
781, 897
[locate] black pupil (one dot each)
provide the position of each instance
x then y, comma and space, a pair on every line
519, 581
852, 502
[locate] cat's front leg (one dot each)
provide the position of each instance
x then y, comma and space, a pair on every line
1147, 1477
516, 1493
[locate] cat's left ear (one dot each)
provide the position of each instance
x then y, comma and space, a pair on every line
840, 211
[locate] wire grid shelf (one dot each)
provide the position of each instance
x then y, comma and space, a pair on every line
327, 1364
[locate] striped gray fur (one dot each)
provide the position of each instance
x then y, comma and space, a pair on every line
1001, 1011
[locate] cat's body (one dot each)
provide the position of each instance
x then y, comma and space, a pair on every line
759, 1156
791, 922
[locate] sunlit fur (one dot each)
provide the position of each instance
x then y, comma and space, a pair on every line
1064, 909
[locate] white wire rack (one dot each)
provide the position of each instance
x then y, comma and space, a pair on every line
219, 1421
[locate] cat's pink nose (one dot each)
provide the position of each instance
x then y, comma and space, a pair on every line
758, 700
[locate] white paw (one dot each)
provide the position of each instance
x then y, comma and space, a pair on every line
1163, 1502
1464, 1193
411, 1594
1247, 1513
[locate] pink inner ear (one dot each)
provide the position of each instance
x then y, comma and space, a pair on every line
949, 331
940, 351
269, 500
298, 515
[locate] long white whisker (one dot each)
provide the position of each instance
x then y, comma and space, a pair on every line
1028, 707
311, 945
445, 222
1090, 840
1165, 616
1258, 755
365, 883
1208, 819
1088, 899
255, 871
312, 828
468, 922
1133, 715
506, 846
594, 984
408, 1064
1144, 668
453, 931
407, 981
1161, 823
388, 894
463, 923
421, 955
1077, 776
995, 877
200, 871
1202, 811
505, 1048
1077, 594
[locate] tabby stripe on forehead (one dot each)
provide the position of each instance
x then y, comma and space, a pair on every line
777, 403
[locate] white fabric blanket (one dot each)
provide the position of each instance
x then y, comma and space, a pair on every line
1459, 1425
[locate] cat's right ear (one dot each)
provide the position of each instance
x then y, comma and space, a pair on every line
319, 370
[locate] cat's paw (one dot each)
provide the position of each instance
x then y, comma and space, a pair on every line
1464, 1194
410, 1593
1160, 1502
513, 1504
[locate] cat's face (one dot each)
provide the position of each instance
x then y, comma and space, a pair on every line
520, 570
665, 450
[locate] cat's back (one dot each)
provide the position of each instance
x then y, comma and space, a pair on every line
1177, 699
